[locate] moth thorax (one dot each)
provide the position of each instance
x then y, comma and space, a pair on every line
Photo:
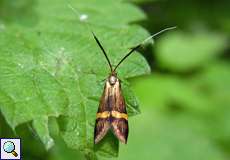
112, 79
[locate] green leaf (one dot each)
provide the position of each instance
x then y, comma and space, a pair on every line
185, 117
182, 118
41, 127
142, 1
61, 152
171, 91
52, 67
213, 83
162, 136
180, 51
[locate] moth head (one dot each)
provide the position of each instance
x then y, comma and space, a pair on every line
112, 79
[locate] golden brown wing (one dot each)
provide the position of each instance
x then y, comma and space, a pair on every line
111, 114
102, 124
119, 117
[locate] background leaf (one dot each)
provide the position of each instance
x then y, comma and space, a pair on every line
53, 67
192, 50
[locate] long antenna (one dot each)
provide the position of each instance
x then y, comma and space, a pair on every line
99, 44
82, 17
139, 45
131, 51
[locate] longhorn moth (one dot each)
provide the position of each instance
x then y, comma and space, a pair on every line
112, 112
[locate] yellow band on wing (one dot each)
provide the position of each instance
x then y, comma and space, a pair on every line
117, 114
104, 114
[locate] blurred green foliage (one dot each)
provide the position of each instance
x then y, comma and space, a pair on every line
184, 103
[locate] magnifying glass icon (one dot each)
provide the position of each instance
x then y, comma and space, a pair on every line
9, 147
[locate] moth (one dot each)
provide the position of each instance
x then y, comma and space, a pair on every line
112, 114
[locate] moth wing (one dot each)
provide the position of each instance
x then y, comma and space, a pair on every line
119, 117
102, 124
120, 129
101, 128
